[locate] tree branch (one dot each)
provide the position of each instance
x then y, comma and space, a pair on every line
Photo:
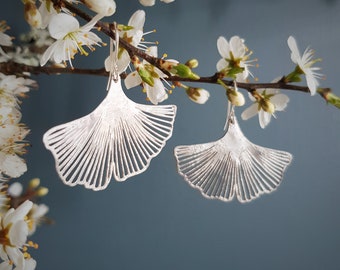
16, 68
108, 29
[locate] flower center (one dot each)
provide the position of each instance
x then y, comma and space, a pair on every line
4, 238
73, 37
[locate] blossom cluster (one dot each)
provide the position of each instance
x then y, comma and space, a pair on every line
19, 216
235, 65
12, 143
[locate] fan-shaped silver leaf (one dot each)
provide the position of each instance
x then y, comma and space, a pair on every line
232, 166
119, 138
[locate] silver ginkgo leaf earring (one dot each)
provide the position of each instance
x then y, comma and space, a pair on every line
119, 138
232, 166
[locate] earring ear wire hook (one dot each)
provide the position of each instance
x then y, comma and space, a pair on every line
113, 58
230, 112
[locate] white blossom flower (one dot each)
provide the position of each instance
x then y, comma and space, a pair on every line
16, 86
133, 36
266, 103
156, 92
11, 88
70, 38
14, 231
305, 64
36, 216
11, 148
234, 62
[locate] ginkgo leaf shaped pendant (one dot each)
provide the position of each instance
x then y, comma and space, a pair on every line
119, 138
232, 166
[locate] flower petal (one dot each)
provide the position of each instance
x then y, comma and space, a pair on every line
249, 112
122, 63
294, 49
280, 101
87, 27
62, 24
19, 213
30, 264
237, 47
137, 20
18, 233
312, 83
48, 53
264, 118
16, 256
221, 64
132, 80
156, 93
6, 265
223, 47
3, 254
153, 51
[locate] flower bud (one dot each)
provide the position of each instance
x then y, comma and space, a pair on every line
15, 189
32, 15
34, 183
104, 7
192, 63
198, 95
182, 70
42, 191
235, 97
329, 96
147, 3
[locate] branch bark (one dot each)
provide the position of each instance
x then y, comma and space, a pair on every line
16, 68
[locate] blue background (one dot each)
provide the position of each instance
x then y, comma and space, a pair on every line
156, 220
